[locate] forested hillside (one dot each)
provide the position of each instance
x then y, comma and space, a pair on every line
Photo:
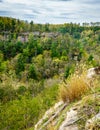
34, 59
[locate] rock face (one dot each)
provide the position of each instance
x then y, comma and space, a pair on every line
63, 117
50, 115
93, 71
72, 127
69, 122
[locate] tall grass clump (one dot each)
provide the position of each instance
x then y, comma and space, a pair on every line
76, 85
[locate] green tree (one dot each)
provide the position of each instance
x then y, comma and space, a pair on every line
32, 72
20, 65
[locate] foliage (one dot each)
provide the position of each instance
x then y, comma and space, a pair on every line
25, 111
32, 72
69, 70
32, 57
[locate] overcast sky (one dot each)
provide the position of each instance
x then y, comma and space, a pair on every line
52, 11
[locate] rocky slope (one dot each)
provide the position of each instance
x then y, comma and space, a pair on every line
83, 114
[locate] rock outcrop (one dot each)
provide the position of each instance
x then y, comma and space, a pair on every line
50, 115
70, 120
62, 116
92, 72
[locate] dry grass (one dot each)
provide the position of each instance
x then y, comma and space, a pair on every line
76, 86
51, 127
95, 125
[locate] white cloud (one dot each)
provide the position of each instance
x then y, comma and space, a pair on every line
52, 11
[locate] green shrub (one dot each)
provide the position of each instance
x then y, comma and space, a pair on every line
25, 111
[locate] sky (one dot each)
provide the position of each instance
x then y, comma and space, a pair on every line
52, 11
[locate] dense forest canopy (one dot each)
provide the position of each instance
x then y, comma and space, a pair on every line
18, 26
32, 55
